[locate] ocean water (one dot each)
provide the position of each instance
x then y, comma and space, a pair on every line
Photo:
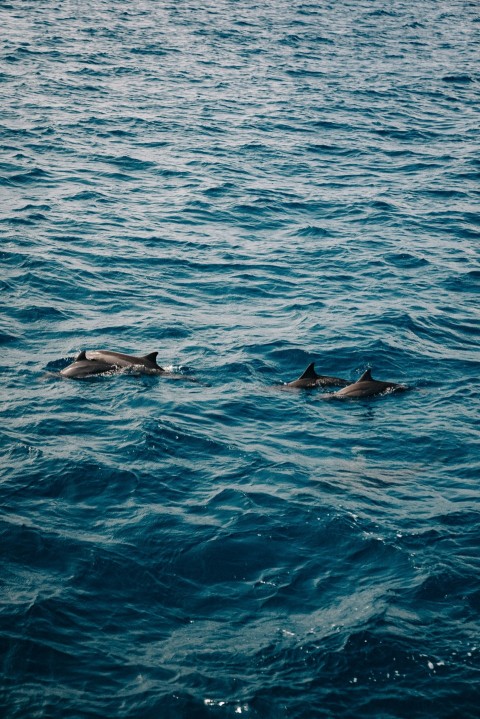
245, 187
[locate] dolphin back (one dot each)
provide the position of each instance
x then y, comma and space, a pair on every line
310, 379
93, 362
86, 368
366, 386
120, 359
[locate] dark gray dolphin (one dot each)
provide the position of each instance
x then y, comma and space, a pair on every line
101, 361
121, 360
366, 386
311, 379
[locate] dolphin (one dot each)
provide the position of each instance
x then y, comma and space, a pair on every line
121, 360
311, 379
101, 361
366, 386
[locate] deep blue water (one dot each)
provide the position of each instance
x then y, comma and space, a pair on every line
245, 187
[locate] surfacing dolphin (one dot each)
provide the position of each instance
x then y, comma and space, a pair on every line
366, 386
310, 379
101, 361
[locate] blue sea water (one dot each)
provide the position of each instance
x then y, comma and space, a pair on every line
246, 187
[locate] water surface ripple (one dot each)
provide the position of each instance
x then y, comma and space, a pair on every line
245, 187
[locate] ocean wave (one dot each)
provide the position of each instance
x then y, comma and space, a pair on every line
245, 194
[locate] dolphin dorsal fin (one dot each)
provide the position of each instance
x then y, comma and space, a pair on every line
81, 356
152, 357
366, 376
309, 372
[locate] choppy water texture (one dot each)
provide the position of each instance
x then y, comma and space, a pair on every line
245, 187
